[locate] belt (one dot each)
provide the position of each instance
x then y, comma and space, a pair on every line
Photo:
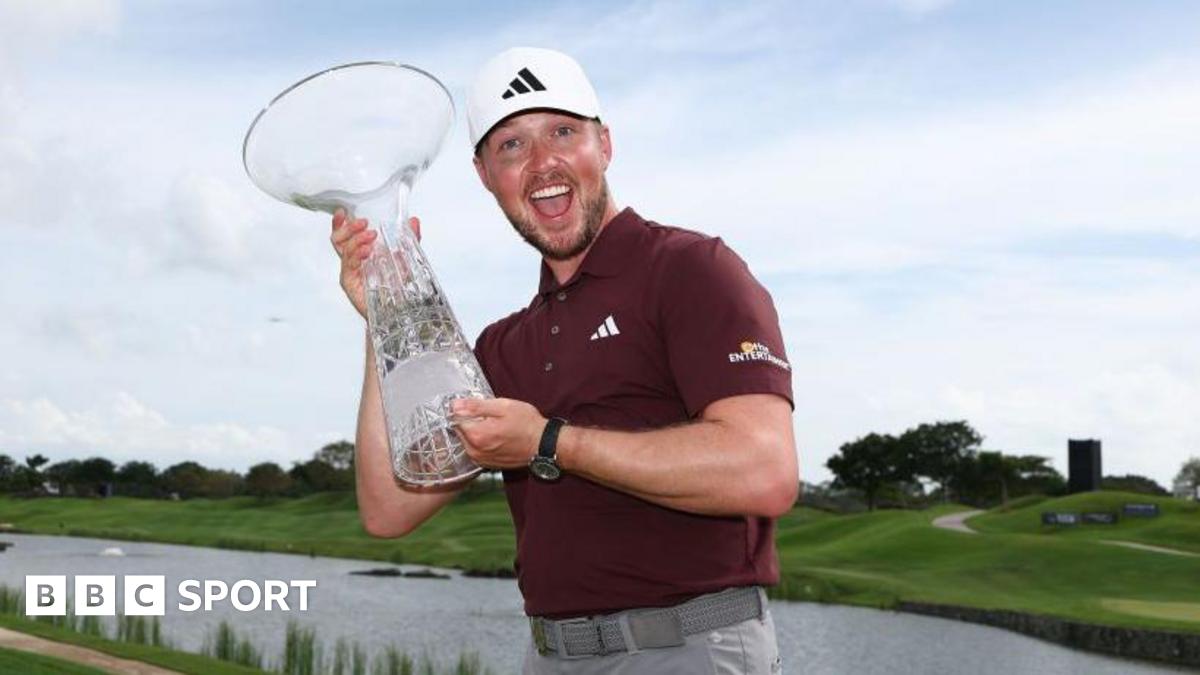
646, 628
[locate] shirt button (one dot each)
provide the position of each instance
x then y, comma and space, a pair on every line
549, 366
554, 330
562, 295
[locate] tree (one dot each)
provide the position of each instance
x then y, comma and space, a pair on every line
62, 475
8, 472
1000, 470
138, 479
267, 480
92, 473
339, 455
185, 479
937, 451
1187, 481
869, 464
316, 475
1133, 483
219, 483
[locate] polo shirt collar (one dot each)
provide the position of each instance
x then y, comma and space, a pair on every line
608, 255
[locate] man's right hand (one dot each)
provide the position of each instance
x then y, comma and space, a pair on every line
353, 242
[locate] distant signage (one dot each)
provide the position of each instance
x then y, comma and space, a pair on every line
1054, 518
1100, 517
1141, 510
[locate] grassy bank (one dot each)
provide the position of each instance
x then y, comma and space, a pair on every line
873, 559
183, 662
476, 533
13, 661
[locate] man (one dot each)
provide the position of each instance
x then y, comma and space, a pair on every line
643, 419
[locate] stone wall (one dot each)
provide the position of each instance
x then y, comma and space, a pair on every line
1131, 643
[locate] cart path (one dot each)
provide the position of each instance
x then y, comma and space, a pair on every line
954, 521
12, 639
1148, 547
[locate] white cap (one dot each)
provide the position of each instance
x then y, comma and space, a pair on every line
524, 78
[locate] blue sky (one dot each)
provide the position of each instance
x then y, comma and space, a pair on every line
979, 210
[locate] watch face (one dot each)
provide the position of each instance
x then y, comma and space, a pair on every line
544, 468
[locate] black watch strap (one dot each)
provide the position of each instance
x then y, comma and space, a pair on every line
547, 447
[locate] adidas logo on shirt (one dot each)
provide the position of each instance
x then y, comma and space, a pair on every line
523, 83
606, 329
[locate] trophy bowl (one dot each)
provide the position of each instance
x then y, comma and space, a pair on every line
358, 136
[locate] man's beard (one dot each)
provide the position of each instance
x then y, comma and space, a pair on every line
593, 217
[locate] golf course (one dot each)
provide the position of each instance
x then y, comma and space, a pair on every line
879, 559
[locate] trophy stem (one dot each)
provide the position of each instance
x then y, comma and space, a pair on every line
421, 358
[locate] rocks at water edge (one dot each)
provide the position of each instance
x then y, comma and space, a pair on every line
395, 572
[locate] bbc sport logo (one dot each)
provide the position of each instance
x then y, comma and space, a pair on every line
146, 595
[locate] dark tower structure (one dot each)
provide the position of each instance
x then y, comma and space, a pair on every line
1084, 458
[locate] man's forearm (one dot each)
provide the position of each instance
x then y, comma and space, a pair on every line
713, 466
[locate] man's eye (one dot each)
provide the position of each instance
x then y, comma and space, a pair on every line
510, 144
564, 131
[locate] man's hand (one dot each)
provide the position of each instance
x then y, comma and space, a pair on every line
353, 242
500, 433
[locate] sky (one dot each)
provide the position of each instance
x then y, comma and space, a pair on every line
963, 210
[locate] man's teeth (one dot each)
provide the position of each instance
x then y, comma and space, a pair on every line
552, 191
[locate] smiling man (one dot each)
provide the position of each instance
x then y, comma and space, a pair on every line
643, 419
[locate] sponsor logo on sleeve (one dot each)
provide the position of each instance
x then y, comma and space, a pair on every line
757, 351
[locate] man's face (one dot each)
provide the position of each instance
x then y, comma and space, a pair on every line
546, 171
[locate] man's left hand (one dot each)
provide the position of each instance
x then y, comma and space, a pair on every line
500, 433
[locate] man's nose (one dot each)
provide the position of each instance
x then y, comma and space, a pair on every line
542, 157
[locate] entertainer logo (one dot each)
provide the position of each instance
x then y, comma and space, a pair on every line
757, 351
146, 594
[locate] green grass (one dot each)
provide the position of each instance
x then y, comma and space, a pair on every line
1177, 527
12, 661
183, 662
477, 533
873, 559
881, 558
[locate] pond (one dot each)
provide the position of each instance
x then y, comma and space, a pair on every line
442, 618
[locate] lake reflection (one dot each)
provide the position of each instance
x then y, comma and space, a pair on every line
443, 618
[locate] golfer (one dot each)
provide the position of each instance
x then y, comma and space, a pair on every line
643, 413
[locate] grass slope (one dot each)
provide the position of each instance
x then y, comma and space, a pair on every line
880, 558
13, 661
1177, 527
871, 559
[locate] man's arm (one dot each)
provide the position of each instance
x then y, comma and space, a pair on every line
738, 458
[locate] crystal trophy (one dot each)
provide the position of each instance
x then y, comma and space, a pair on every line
357, 137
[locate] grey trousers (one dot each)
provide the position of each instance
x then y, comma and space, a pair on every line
746, 648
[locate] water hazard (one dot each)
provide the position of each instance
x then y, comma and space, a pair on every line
443, 618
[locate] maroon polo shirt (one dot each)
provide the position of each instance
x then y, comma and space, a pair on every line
657, 323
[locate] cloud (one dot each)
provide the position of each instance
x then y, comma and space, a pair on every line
123, 428
215, 227
920, 6
31, 27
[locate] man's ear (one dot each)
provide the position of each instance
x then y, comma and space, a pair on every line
605, 144
482, 171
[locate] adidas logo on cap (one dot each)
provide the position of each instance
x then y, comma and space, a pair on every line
527, 78
523, 83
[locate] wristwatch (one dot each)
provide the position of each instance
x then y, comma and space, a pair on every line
544, 464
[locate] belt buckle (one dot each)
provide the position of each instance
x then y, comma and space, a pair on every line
538, 628
563, 652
